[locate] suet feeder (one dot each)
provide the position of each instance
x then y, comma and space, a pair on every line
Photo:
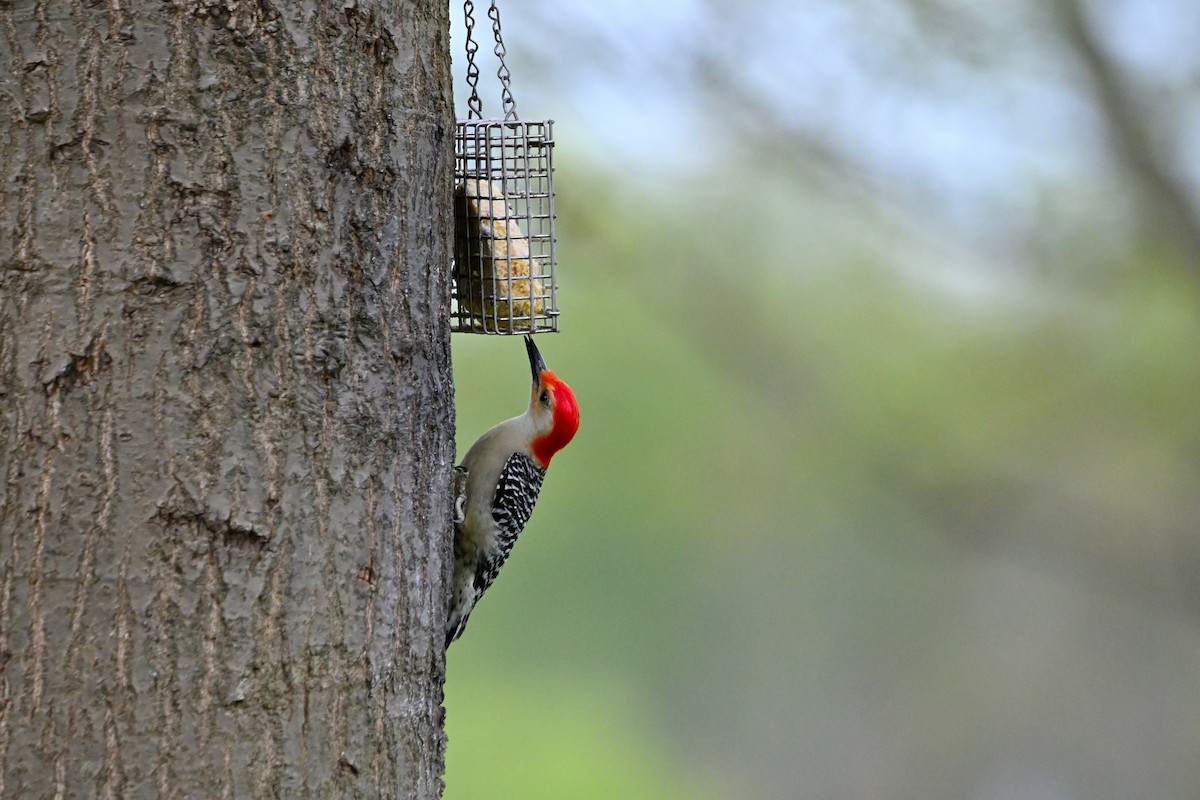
504, 276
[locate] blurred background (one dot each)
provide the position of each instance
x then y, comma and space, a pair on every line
884, 319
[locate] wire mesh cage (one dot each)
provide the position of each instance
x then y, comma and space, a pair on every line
505, 278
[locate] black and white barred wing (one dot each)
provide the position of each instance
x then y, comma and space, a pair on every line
516, 493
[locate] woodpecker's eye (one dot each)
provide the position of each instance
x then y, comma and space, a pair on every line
545, 398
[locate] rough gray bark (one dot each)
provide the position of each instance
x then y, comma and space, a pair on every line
225, 398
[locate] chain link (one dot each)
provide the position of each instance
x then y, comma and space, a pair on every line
474, 104
506, 96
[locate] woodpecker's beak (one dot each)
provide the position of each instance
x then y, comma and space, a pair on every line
535, 359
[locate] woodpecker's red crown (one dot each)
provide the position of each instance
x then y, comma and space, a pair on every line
553, 406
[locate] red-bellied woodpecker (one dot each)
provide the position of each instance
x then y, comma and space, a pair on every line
498, 483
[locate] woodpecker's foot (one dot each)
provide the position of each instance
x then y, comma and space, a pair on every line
460, 495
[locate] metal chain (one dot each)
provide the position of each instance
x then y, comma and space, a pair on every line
506, 97
474, 104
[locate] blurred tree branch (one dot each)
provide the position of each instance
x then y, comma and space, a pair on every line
944, 41
1173, 209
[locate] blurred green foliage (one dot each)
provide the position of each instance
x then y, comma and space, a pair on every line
835, 525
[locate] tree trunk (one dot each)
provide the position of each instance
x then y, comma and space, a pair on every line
225, 398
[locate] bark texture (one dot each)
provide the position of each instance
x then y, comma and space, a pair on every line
225, 398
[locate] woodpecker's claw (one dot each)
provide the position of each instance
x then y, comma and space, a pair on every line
460, 495
535, 359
